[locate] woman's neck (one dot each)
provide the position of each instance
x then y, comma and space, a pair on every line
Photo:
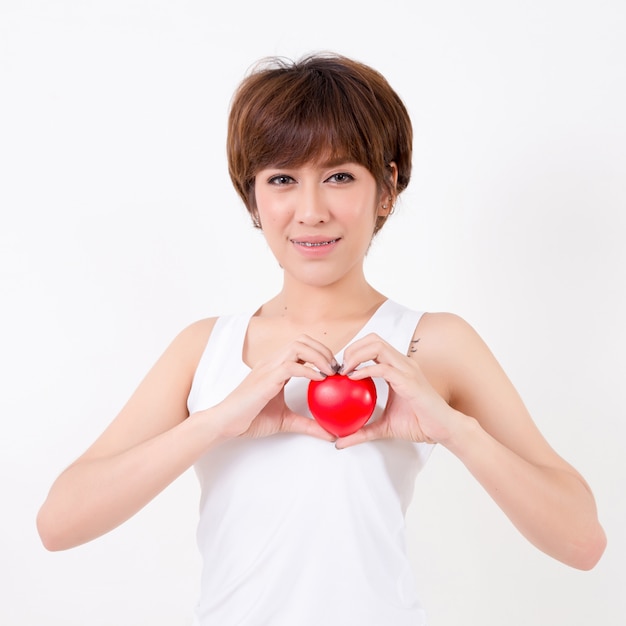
299, 302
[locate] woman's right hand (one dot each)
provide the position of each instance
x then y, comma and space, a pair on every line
257, 408
153, 440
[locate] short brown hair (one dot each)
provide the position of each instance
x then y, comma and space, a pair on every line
289, 113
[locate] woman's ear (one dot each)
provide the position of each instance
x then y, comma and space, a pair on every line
256, 222
388, 195
393, 168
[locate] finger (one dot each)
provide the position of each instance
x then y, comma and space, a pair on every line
317, 345
367, 371
370, 348
391, 374
291, 369
308, 350
370, 432
298, 424
366, 344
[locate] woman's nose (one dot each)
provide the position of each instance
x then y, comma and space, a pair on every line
311, 207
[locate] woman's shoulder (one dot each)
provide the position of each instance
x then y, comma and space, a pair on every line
196, 331
189, 344
191, 341
445, 326
455, 354
434, 322
447, 342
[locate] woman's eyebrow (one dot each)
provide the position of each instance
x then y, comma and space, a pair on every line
335, 161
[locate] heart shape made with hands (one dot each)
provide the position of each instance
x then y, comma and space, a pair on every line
341, 405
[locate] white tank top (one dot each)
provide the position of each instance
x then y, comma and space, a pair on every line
292, 531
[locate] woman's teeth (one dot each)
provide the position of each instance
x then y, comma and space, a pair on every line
310, 244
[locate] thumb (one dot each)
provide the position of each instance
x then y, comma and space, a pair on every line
301, 425
370, 432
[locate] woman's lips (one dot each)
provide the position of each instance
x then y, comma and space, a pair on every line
315, 246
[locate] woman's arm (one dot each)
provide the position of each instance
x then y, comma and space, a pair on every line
451, 390
147, 446
543, 495
153, 440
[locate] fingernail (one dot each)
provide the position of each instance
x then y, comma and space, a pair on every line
336, 367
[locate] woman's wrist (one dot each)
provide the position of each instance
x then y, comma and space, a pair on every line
461, 433
207, 428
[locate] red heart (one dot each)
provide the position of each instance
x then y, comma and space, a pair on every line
341, 405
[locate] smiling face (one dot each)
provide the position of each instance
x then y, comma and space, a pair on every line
290, 114
319, 219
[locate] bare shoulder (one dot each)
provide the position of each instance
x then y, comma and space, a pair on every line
448, 338
476, 384
160, 401
442, 326
180, 359
442, 329
190, 343
453, 350
445, 345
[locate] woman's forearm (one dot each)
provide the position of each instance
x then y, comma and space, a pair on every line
93, 496
552, 507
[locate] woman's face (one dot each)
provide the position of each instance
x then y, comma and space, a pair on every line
318, 218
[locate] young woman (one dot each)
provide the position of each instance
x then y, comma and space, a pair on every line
298, 526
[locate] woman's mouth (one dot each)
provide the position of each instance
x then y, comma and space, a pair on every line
314, 244
315, 247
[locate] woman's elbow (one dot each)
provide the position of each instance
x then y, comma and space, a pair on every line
586, 553
46, 531
52, 533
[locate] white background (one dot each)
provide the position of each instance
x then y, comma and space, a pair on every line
119, 227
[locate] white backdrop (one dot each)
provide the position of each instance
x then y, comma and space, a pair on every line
119, 227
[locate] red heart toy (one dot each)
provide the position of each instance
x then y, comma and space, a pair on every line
341, 405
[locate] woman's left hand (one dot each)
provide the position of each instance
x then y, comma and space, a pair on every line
414, 410
544, 496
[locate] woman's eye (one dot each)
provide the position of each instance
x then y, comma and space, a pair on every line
341, 177
281, 179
